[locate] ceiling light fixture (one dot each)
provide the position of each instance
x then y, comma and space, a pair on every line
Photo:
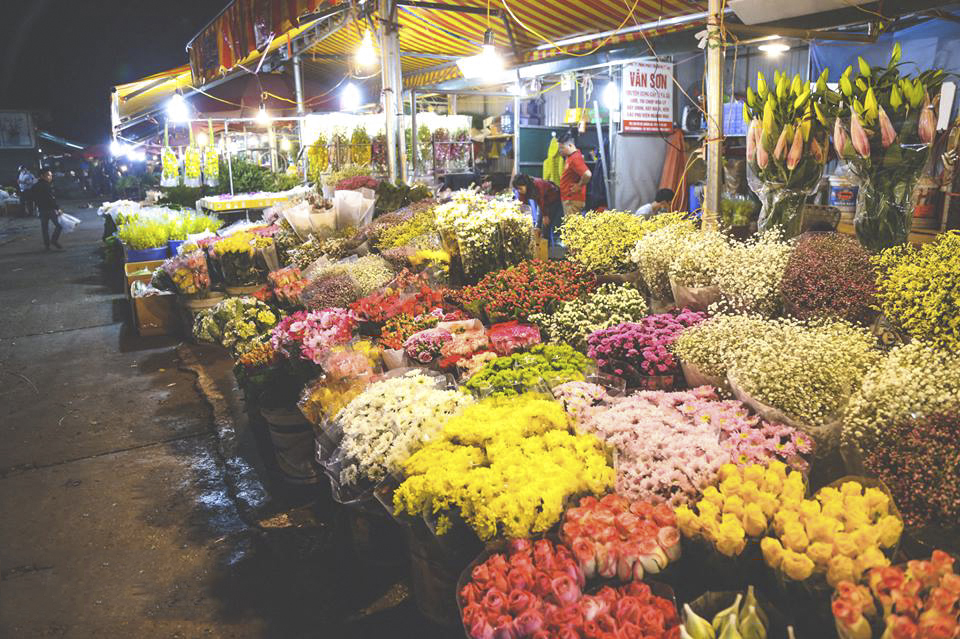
366, 55
487, 65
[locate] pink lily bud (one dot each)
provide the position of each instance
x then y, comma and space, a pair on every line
859, 135
751, 141
927, 126
839, 137
796, 150
781, 148
763, 158
816, 151
887, 134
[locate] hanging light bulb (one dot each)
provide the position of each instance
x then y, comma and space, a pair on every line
202, 139
262, 116
177, 109
286, 145
116, 148
487, 65
366, 56
350, 97
611, 96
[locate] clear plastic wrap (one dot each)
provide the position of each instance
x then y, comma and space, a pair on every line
782, 204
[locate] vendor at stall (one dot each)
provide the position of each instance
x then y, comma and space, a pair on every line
575, 177
662, 202
546, 194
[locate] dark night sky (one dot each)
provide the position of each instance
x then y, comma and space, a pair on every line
62, 57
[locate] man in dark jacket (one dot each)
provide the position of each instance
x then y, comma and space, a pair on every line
49, 209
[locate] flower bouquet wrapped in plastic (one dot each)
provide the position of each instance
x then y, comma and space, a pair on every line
189, 274
512, 337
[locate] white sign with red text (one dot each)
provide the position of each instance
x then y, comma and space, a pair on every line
646, 97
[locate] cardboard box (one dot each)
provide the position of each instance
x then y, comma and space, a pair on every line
155, 314
132, 267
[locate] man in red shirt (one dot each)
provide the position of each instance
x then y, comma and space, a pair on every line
575, 177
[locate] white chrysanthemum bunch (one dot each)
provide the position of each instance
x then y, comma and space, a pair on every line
391, 420
714, 345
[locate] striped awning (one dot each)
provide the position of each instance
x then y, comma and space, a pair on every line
135, 98
431, 37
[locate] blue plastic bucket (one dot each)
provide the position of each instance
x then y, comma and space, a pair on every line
146, 255
174, 246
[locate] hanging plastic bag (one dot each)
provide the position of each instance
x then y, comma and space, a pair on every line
68, 222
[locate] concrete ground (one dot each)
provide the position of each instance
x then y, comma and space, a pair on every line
136, 500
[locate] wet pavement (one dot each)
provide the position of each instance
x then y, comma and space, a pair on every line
136, 499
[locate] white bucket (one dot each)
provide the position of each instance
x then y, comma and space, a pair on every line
843, 195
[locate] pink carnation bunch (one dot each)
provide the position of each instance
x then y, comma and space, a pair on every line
669, 450
634, 350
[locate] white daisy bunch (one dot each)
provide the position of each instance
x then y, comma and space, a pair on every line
806, 370
654, 252
609, 305
749, 274
696, 259
913, 380
392, 419
714, 345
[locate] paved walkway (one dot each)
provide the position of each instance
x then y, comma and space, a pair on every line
127, 509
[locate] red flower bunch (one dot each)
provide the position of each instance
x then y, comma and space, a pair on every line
830, 275
537, 591
534, 286
614, 537
917, 460
287, 284
919, 602
358, 182
408, 293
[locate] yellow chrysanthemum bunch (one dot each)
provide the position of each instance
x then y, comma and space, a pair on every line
842, 532
743, 505
509, 466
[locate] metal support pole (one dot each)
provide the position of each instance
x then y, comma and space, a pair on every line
415, 151
390, 72
516, 135
226, 138
301, 110
603, 153
711, 205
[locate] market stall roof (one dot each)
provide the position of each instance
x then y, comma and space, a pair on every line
433, 34
142, 96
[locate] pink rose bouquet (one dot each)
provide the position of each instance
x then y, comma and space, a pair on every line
426, 346
308, 335
536, 590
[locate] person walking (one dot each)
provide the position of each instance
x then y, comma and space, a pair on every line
42, 193
575, 177
26, 182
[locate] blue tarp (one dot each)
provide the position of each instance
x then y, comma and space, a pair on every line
931, 45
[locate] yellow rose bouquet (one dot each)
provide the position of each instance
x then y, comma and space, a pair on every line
742, 507
507, 466
848, 528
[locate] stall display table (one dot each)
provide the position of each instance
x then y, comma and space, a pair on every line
238, 204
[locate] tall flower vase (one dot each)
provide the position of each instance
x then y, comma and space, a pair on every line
885, 204
783, 202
